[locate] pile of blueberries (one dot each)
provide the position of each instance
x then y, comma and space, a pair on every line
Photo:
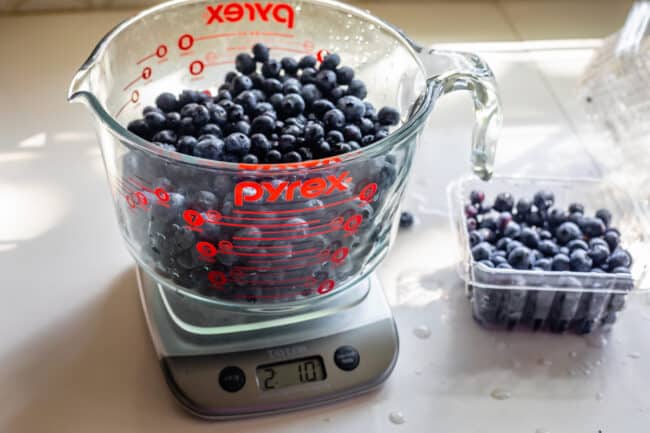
289, 111
535, 235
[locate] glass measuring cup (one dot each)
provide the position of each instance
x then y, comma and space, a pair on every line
266, 237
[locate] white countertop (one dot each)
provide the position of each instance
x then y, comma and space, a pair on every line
75, 355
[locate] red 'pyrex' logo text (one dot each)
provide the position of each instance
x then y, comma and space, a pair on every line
233, 12
249, 191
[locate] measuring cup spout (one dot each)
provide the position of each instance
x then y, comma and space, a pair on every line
80, 86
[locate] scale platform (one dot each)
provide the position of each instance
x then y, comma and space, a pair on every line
252, 364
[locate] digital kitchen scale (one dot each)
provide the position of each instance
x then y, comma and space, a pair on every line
225, 363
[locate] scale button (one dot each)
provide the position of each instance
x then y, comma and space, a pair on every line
232, 379
346, 358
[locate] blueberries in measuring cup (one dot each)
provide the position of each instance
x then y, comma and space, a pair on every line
259, 98
534, 234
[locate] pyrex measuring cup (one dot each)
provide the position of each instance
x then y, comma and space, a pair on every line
266, 236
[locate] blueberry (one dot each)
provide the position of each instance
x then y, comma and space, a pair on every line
240, 126
155, 120
262, 124
605, 216
357, 88
612, 239
502, 243
211, 129
247, 100
323, 148
223, 95
567, 232
503, 202
486, 263
271, 68
543, 264
488, 235
330, 61
512, 245
593, 227
487, 222
476, 197
577, 244
187, 126
556, 217
388, 116
334, 137
287, 143
535, 219
564, 250
519, 258
620, 270
577, 217
231, 75
543, 199
406, 219
344, 75
472, 224
166, 146
240, 84
260, 145
276, 100
475, 238
308, 76
322, 106
307, 62
237, 144
272, 86
210, 148
314, 133
310, 94
250, 159
290, 65
273, 156
173, 120
619, 258
294, 130
523, 206
167, 102
352, 107
599, 254
560, 262
580, 261
140, 128
498, 259
245, 63
367, 140
326, 80
305, 153
291, 85
482, 251
352, 133
504, 266
264, 108
165, 136
203, 201
188, 96
291, 157
512, 230
236, 113
260, 52
185, 144
334, 119
292, 104
576, 207
529, 237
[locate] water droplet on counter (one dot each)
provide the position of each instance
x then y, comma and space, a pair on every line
501, 394
572, 372
422, 331
586, 372
634, 355
546, 362
598, 363
596, 340
573, 354
397, 417
599, 396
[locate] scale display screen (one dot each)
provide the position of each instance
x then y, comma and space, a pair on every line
290, 373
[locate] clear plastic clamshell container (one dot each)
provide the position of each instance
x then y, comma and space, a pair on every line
580, 302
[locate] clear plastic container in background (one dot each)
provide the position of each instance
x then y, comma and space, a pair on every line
555, 301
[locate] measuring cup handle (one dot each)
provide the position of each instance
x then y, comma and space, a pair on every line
449, 71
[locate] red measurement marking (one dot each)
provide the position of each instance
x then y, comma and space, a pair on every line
135, 96
353, 223
217, 278
225, 245
185, 42
260, 219
281, 35
368, 193
289, 260
130, 202
197, 67
122, 108
162, 195
275, 267
326, 286
258, 225
268, 247
340, 255
206, 250
241, 47
309, 209
285, 238
284, 281
144, 59
213, 216
193, 218
276, 296
146, 73
281, 254
161, 51
320, 55
139, 185
296, 229
289, 50
308, 46
216, 35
